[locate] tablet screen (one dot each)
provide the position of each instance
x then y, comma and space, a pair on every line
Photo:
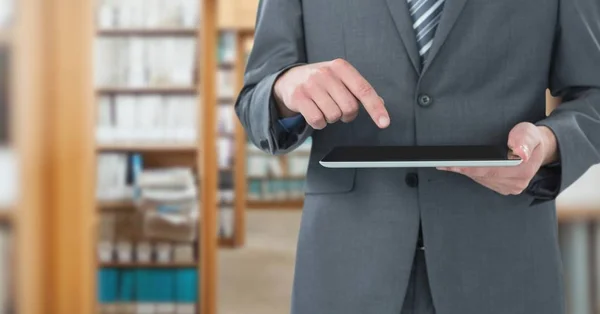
417, 153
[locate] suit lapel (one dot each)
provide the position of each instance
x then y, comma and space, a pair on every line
402, 19
452, 9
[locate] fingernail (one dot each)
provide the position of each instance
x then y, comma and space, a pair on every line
382, 101
526, 151
384, 122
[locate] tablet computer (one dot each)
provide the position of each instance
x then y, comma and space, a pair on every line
419, 157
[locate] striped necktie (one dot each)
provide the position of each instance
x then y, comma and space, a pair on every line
426, 16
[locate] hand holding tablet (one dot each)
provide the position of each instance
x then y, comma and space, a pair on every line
419, 157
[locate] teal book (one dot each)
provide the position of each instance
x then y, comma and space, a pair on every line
127, 286
164, 281
107, 285
144, 286
186, 285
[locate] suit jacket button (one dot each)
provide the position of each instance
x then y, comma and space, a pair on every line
264, 144
412, 180
424, 100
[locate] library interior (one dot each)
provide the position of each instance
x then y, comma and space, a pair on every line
128, 185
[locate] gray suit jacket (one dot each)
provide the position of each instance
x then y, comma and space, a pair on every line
488, 70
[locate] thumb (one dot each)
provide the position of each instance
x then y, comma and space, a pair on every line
522, 140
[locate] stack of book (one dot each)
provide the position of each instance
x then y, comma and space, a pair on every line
148, 291
147, 119
160, 225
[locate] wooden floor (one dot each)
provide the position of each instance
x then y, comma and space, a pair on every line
257, 279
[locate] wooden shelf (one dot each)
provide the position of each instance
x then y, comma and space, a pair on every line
226, 134
147, 147
287, 177
586, 213
115, 205
147, 265
155, 32
174, 90
227, 243
227, 65
275, 204
226, 100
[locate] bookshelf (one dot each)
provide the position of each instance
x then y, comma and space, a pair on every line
232, 165
164, 83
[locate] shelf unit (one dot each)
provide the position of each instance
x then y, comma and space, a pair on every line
237, 170
201, 156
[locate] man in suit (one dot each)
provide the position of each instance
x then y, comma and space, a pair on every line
428, 72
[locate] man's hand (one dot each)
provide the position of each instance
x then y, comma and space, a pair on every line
535, 145
327, 92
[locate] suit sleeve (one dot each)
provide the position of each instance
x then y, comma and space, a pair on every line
278, 46
575, 76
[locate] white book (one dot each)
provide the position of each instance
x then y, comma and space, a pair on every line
143, 252
226, 118
163, 119
176, 57
190, 131
227, 221
189, 9
121, 65
168, 16
124, 251
124, 13
225, 151
151, 13
225, 81
164, 252
136, 63
104, 59
298, 165
172, 119
104, 128
257, 166
153, 107
106, 17
127, 118
275, 167
228, 41
105, 251
137, 13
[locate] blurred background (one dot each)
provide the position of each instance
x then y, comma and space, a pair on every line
127, 184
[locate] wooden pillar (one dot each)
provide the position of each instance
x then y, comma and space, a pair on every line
69, 152
208, 158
